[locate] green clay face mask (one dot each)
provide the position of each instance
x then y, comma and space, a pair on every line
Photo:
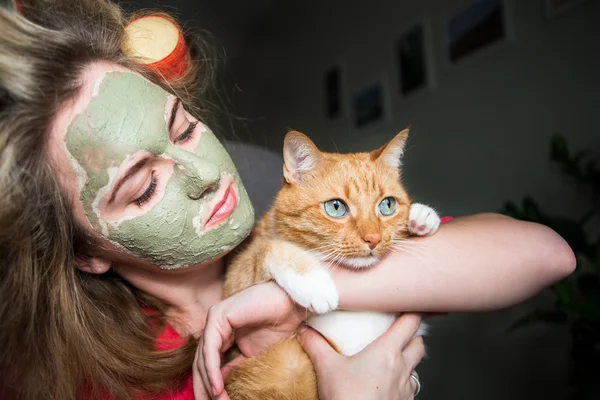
190, 205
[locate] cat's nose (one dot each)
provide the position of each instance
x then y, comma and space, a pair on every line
372, 239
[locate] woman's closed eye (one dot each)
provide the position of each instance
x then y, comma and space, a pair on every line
187, 134
140, 188
182, 130
147, 188
149, 192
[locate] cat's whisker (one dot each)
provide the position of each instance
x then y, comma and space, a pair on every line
333, 263
412, 249
405, 244
330, 249
331, 252
325, 246
410, 244
412, 253
420, 259
324, 251
339, 258
326, 256
413, 243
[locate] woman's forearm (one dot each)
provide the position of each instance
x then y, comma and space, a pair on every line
475, 263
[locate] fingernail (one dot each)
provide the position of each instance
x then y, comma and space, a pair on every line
214, 392
302, 329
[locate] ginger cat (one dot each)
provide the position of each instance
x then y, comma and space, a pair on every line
347, 209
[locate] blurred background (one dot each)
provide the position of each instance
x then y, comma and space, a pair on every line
486, 85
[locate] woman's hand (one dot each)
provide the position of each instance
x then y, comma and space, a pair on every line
261, 316
380, 371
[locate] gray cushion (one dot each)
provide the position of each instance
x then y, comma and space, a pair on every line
261, 172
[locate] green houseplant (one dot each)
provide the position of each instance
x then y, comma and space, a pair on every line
577, 298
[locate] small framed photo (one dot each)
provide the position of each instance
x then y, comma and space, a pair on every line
555, 7
414, 59
370, 105
479, 25
333, 91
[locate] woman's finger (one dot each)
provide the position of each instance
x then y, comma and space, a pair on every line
211, 353
413, 383
199, 384
399, 334
201, 366
413, 352
317, 348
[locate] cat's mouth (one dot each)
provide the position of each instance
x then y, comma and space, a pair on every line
359, 262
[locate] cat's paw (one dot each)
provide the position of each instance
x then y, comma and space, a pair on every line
423, 220
314, 289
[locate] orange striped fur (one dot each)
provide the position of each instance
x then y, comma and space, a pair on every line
362, 181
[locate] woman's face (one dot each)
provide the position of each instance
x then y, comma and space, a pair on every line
145, 175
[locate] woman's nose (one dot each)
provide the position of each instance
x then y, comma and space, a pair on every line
198, 174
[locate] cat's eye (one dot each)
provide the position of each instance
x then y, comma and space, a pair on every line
335, 208
387, 206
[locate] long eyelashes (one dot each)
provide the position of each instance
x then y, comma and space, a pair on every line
147, 195
187, 134
151, 189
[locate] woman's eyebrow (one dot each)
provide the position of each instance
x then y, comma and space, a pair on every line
132, 171
173, 113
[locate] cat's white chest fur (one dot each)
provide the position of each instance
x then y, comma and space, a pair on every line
352, 331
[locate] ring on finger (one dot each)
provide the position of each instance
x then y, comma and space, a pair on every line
416, 379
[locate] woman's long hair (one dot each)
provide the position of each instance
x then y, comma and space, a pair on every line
66, 334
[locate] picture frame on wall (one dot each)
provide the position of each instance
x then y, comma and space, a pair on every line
477, 26
370, 104
414, 59
556, 7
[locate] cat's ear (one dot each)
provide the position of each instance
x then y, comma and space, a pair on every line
391, 153
300, 156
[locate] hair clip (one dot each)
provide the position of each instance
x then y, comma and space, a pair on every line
17, 6
157, 42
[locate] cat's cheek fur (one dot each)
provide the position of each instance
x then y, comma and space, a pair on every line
423, 220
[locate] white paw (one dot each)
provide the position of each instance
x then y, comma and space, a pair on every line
314, 289
423, 220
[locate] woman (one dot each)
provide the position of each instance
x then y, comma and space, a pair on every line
117, 205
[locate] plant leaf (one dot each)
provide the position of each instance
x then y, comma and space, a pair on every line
573, 233
564, 291
582, 155
510, 209
531, 210
589, 287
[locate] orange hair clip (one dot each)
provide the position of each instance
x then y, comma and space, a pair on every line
158, 43
18, 7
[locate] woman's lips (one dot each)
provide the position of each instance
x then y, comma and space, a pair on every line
223, 208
